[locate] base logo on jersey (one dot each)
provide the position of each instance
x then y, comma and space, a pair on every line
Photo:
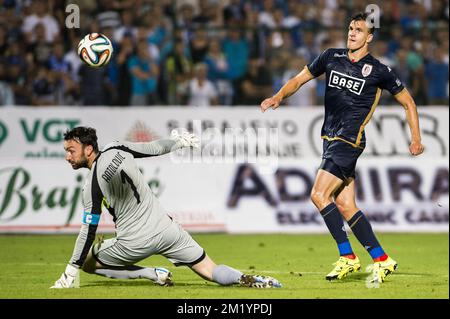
366, 70
344, 81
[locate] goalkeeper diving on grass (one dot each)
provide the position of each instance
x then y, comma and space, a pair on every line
143, 228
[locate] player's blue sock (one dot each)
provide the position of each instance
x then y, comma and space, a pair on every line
364, 233
335, 224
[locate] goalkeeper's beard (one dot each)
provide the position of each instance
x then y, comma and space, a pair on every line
83, 163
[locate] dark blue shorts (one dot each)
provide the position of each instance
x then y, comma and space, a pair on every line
339, 158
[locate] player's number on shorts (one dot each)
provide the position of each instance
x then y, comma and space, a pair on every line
126, 178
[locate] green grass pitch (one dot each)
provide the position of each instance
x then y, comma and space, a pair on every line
31, 263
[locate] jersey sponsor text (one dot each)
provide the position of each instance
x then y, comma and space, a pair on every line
343, 81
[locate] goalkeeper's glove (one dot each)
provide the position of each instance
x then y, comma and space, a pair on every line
185, 139
69, 279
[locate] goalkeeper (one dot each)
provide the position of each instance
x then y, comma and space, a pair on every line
143, 228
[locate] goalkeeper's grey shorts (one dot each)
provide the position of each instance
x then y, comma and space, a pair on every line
174, 243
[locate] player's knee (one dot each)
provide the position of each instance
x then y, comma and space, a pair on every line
319, 198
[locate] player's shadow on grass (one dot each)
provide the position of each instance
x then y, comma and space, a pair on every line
138, 283
362, 276
356, 277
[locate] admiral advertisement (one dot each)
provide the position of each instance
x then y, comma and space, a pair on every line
253, 173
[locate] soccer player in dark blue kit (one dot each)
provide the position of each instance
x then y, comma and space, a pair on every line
355, 80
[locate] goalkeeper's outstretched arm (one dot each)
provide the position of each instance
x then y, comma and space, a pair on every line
158, 147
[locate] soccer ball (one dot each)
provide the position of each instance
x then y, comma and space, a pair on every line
95, 49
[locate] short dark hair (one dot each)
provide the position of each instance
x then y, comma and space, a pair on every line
362, 16
84, 135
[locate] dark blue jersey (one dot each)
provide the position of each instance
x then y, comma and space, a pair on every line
352, 93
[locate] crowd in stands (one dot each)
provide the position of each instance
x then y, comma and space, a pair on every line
208, 52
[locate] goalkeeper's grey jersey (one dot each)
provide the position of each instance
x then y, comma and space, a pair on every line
115, 181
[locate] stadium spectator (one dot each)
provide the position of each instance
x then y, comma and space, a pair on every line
234, 14
380, 51
256, 84
12, 19
308, 96
325, 10
293, 22
236, 49
3, 40
309, 48
40, 15
394, 40
401, 66
198, 45
143, 35
218, 70
201, 91
156, 26
412, 19
56, 60
17, 75
255, 35
124, 54
93, 85
144, 74
73, 60
437, 77
267, 17
61, 74
202, 16
45, 90
39, 49
185, 20
416, 67
108, 15
277, 65
128, 26
6, 93
439, 12
213, 16
390, 15
178, 70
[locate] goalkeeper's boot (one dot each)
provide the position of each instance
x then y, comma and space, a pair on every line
343, 267
381, 269
164, 277
257, 281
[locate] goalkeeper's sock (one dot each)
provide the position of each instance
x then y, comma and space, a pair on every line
128, 272
364, 233
225, 275
335, 224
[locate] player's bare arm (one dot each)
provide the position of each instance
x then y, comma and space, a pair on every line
291, 86
406, 100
